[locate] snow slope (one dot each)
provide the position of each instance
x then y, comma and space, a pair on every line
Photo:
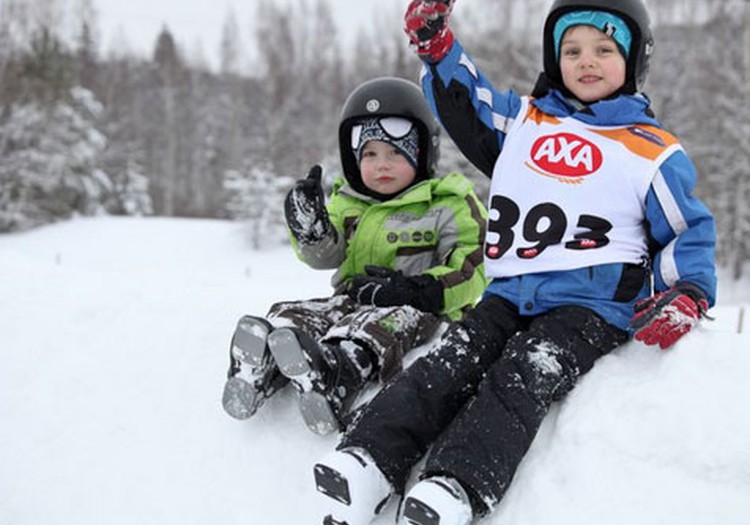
113, 343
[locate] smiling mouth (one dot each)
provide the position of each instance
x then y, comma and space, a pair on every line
589, 79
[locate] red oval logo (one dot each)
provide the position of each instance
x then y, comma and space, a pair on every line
566, 155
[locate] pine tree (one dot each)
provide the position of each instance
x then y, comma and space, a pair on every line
163, 157
49, 169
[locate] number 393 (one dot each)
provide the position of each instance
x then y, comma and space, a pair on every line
543, 226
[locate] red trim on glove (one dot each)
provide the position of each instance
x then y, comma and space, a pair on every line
666, 317
426, 24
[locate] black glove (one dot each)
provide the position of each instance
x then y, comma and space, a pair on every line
305, 209
385, 287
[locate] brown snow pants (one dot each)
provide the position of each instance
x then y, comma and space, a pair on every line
388, 332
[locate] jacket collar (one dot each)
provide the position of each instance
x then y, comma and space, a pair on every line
619, 111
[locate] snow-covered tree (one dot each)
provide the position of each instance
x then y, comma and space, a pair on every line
122, 84
131, 191
257, 196
49, 169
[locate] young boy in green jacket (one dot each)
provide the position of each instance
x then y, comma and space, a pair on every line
407, 246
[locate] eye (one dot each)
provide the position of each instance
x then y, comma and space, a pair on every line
570, 51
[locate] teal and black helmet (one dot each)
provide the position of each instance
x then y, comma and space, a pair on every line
632, 12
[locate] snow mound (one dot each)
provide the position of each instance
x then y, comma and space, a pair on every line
114, 336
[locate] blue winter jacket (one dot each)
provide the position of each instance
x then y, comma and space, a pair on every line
681, 230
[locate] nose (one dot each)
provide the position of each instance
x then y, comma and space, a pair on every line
587, 60
382, 161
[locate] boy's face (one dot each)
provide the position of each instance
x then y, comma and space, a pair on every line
591, 64
384, 169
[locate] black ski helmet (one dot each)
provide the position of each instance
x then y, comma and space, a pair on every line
388, 97
632, 12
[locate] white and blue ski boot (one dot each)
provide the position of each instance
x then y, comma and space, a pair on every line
253, 376
354, 489
328, 377
436, 500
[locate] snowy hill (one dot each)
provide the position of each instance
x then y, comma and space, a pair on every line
113, 343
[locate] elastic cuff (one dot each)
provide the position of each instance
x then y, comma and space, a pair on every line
698, 296
692, 291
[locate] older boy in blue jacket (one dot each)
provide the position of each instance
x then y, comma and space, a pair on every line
593, 236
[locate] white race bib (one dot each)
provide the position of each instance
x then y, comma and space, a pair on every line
567, 195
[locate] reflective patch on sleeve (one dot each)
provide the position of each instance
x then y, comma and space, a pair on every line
668, 266
671, 210
468, 64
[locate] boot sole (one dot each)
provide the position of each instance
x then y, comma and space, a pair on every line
239, 398
417, 512
355, 494
249, 340
448, 504
332, 483
290, 357
318, 414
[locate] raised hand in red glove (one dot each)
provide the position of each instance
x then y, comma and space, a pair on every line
426, 24
665, 317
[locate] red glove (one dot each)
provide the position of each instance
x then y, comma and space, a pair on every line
667, 316
427, 27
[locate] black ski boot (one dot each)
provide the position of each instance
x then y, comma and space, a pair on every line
328, 377
253, 376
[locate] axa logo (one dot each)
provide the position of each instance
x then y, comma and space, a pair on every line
565, 156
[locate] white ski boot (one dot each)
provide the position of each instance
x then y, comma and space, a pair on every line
253, 376
437, 501
354, 488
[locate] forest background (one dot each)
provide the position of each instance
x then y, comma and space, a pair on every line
86, 132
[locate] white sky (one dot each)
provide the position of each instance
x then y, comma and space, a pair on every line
191, 21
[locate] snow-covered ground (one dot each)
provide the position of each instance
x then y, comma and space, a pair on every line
113, 350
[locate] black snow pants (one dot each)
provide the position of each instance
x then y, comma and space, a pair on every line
479, 397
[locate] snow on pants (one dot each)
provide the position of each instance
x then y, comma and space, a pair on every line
388, 332
479, 397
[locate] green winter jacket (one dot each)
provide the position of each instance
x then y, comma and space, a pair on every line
435, 227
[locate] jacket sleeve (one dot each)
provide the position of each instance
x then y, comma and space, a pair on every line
330, 252
459, 250
475, 115
682, 229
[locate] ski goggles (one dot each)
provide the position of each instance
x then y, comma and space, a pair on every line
399, 132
